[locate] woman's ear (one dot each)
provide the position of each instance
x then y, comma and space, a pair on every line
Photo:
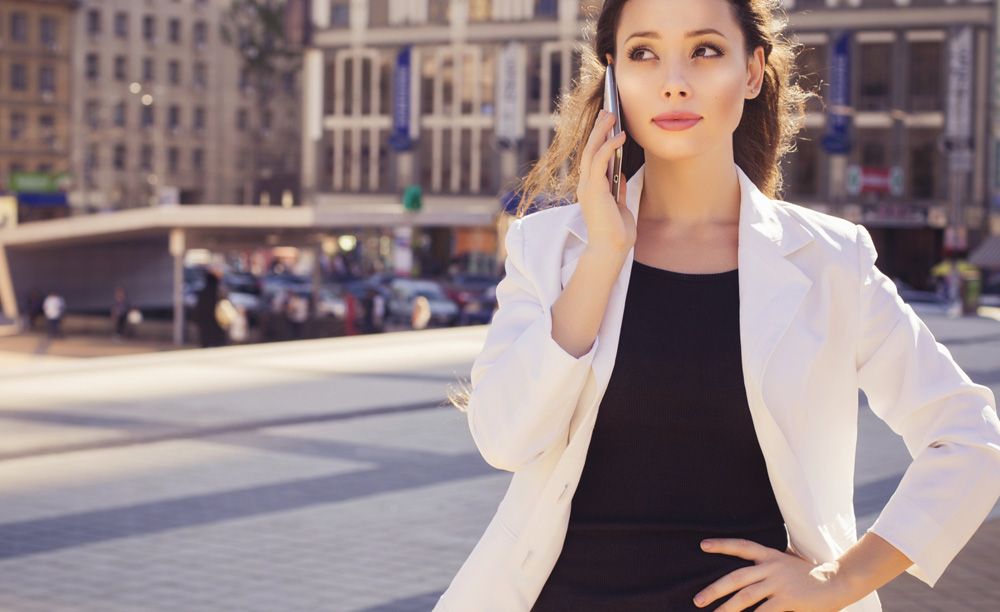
755, 69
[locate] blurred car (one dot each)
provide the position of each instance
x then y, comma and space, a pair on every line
475, 296
925, 302
405, 290
990, 293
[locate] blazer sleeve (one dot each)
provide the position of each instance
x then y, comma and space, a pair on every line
524, 384
948, 422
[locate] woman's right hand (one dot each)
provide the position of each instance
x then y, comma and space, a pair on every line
610, 224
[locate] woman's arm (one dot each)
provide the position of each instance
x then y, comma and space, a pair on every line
948, 422
525, 383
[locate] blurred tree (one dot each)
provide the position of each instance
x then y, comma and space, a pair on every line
269, 54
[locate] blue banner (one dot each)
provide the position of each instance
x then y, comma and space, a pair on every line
400, 138
838, 119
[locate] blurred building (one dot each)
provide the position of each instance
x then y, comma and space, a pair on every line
36, 38
901, 141
456, 96
163, 112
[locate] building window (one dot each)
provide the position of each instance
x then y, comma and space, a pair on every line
925, 76
92, 113
93, 156
200, 74
174, 70
121, 68
147, 157
93, 67
47, 127
17, 124
148, 69
241, 119
47, 79
149, 28
175, 30
121, 24
266, 119
174, 117
49, 31
173, 160
148, 116
198, 159
93, 21
876, 75
119, 157
120, 113
19, 27
200, 33
199, 118
18, 77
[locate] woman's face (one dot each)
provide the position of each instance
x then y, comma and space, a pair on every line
664, 70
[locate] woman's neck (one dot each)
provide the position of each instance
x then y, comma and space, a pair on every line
689, 194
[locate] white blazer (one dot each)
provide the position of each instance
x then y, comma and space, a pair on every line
818, 321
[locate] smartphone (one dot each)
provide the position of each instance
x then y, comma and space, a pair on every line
612, 105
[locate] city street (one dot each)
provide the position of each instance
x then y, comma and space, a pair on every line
315, 475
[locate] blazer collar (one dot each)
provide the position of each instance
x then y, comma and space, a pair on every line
759, 217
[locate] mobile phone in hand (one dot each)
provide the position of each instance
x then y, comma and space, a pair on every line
612, 105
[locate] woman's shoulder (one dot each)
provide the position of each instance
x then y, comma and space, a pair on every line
829, 229
545, 224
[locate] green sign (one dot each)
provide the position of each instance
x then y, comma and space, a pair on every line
412, 198
37, 182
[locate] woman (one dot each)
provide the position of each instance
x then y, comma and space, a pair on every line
673, 378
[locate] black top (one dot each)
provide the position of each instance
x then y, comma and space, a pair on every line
674, 457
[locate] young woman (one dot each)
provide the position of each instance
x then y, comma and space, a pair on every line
673, 378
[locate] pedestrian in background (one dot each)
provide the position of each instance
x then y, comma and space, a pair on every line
119, 314
33, 309
210, 333
54, 308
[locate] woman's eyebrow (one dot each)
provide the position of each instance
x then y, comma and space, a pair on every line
693, 33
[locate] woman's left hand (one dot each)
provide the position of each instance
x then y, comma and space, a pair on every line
785, 580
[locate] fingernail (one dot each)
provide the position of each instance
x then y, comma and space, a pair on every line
698, 601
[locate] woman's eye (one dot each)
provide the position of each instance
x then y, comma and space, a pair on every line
716, 50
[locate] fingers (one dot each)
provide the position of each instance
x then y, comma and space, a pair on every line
622, 196
597, 136
745, 549
730, 583
599, 166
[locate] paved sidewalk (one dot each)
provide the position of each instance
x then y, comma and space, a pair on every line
313, 475
971, 582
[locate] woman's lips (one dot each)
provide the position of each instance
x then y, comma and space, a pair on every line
677, 124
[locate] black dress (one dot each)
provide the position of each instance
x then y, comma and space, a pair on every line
674, 457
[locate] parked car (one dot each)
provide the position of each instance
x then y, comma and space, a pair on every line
475, 296
925, 302
404, 290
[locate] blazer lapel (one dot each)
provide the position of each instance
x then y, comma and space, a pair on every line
771, 289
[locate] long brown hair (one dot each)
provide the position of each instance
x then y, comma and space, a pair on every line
765, 134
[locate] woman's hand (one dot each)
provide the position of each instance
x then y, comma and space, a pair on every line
610, 224
785, 580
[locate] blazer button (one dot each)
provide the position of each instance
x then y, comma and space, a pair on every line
563, 492
526, 557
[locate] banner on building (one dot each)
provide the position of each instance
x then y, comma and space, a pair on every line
400, 139
837, 137
958, 122
510, 93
